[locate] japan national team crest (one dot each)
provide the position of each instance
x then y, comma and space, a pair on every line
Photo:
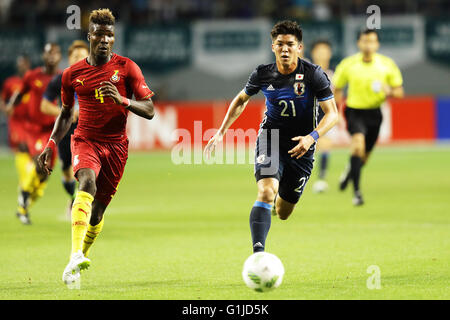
115, 77
299, 88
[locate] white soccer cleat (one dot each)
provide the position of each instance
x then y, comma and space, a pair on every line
320, 186
72, 271
72, 280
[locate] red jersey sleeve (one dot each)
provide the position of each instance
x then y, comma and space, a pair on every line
137, 82
67, 92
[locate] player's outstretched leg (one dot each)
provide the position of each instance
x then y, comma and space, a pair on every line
356, 162
81, 212
95, 226
324, 145
260, 215
69, 184
26, 194
283, 208
345, 178
22, 161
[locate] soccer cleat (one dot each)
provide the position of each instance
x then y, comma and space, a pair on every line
77, 263
358, 199
258, 247
24, 218
344, 179
72, 279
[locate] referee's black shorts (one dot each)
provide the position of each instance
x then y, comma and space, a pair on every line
365, 121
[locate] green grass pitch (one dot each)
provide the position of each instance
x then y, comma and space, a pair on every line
182, 232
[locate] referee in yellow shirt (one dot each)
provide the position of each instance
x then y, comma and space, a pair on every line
371, 78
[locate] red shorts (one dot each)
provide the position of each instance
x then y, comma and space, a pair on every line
107, 159
17, 132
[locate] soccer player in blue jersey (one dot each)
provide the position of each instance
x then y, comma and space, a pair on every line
285, 147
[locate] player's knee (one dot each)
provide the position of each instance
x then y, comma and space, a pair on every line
358, 146
87, 184
266, 194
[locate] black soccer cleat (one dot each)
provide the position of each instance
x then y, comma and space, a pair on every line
358, 199
24, 218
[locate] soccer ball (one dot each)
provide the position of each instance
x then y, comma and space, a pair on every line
263, 272
320, 186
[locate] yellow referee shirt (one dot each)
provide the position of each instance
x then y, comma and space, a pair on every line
366, 79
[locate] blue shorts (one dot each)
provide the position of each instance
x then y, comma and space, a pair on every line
272, 160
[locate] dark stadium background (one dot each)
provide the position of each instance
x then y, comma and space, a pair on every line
184, 49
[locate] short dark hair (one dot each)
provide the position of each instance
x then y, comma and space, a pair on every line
102, 16
320, 41
368, 31
287, 27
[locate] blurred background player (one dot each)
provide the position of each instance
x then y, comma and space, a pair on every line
78, 50
17, 117
39, 128
283, 167
321, 54
371, 78
104, 84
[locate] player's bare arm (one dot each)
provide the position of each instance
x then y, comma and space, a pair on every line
143, 108
328, 121
236, 108
15, 100
8, 107
62, 126
340, 100
49, 108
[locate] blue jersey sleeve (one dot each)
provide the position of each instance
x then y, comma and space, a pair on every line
253, 84
53, 89
321, 85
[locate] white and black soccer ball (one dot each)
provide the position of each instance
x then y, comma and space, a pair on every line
320, 186
263, 272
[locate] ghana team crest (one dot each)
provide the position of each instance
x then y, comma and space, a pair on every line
115, 77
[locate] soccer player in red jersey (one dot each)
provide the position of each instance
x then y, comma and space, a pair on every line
17, 117
104, 84
77, 51
38, 127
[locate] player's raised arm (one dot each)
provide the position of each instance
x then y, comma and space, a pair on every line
143, 108
143, 105
50, 94
328, 121
330, 118
321, 86
234, 111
